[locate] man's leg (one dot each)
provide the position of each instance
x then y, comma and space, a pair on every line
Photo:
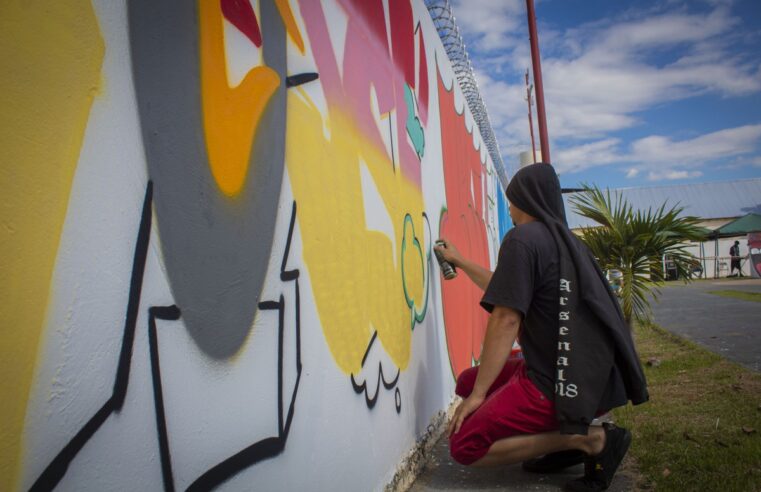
555, 462
515, 408
560, 460
519, 448
605, 446
517, 422
467, 378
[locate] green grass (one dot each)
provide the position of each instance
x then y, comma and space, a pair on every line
738, 294
690, 435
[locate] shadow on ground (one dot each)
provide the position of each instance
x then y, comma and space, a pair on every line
442, 473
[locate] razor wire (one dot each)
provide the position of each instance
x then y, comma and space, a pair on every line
449, 33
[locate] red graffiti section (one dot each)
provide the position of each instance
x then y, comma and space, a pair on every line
370, 66
403, 39
463, 224
754, 244
242, 15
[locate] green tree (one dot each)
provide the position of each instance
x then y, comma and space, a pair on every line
634, 242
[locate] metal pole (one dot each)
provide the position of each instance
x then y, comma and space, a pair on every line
530, 116
539, 87
716, 258
703, 258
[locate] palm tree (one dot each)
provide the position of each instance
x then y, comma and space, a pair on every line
634, 242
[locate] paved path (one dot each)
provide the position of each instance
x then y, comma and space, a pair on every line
442, 473
727, 326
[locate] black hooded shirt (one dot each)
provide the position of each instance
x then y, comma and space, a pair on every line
577, 346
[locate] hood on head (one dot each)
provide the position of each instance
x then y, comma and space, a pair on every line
535, 189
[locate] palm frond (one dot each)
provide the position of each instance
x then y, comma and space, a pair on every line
634, 241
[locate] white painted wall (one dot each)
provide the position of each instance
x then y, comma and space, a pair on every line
214, 408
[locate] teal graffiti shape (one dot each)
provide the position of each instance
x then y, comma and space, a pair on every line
414, 128
409, 239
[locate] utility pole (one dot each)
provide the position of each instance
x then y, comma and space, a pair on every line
529, 88
537, 68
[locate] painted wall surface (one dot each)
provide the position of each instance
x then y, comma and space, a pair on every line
503, 212
218, 220
754, 254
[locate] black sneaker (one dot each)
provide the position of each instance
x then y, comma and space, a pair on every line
554, 462
599, 470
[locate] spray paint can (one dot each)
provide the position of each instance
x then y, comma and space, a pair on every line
447, 269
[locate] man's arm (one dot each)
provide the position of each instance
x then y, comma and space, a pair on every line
501, 332
478, 274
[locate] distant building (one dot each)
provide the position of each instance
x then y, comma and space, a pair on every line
716, 204
527, 157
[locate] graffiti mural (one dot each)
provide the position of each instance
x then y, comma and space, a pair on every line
46, 101
219, 242
365, 242
462, 221
505, 223
236, 167
235, 170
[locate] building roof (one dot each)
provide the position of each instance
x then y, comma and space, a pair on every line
743, 225
718, 200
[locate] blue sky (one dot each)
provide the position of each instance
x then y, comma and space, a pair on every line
638, 93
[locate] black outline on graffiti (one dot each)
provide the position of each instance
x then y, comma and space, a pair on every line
268, 447
57, 468
169, 313
372, 400
300, 78
259, 451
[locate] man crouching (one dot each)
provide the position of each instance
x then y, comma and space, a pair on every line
579, 359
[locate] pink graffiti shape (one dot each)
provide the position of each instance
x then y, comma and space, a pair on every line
242, 15
369, 67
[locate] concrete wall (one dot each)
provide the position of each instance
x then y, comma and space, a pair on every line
218, 219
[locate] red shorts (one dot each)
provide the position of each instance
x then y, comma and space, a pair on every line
513, 406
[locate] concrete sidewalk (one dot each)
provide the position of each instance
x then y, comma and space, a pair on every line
443, 473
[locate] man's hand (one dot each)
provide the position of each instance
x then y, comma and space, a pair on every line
464, 409
450, 253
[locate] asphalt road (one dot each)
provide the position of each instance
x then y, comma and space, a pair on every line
726, 326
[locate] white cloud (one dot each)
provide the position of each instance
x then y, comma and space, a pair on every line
657, 150
672, 175
507, 109
605, 87
663, 157
587, 155
624, 39
603, 76
492, 24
